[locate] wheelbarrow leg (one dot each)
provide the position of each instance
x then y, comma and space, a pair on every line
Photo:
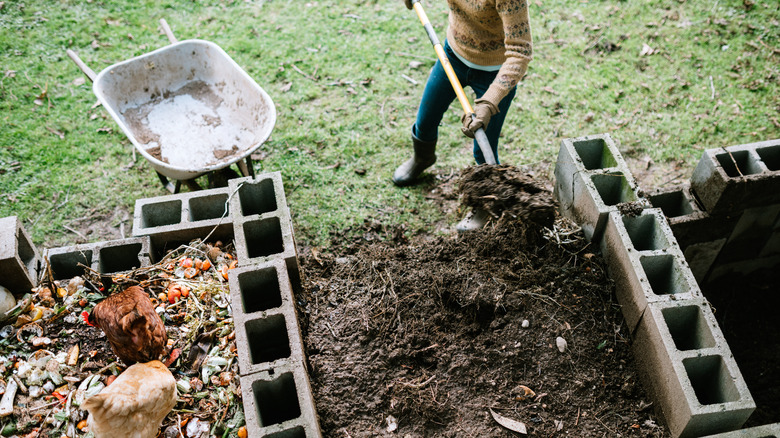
246, 168
168, 184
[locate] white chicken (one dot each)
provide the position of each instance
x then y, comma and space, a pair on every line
134, 405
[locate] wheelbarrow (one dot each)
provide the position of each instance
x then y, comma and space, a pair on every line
188, 108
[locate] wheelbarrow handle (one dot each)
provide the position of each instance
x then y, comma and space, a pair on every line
84, 68
168, 31
479, 135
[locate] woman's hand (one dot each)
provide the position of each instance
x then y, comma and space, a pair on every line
483, 111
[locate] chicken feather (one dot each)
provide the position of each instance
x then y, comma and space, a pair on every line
135, 404
133, 328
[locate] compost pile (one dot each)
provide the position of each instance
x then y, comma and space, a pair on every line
57, 361
503, 189
448, 336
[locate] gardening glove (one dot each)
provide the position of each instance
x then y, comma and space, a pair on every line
483, 111
408, 4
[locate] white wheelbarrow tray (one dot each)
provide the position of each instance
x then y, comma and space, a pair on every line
188, 108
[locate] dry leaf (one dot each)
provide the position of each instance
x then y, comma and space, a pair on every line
524, 392
509, 423
646, 50
286, 87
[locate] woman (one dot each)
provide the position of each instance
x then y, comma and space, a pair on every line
489, 47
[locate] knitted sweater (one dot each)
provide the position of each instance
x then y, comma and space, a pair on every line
492, 32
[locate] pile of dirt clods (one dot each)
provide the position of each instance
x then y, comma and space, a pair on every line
445, 337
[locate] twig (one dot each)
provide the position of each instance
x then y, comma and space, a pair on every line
227, 203
331, 330
45, 406
417, 385
409, 79
178, 425
712, 87
75, 231
304, 74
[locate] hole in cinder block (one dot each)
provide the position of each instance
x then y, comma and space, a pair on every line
770, 156
263, 237
119, 258
664, 273
276, 400
296, 432
161, 213
737, 163
645, 232
711, 380
268, 340
613, 188
66, 265
260, 290
25, 251
673, 204
688, 327
257, 198
595, 154
208, 207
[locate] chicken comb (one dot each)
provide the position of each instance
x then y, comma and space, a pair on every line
85, 317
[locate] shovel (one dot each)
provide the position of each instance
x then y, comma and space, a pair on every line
479, 135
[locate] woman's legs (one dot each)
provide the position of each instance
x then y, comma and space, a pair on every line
437, 97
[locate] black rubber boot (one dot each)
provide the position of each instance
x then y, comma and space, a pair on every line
423, 158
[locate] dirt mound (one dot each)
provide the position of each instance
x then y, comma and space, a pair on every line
503, 189
428, 336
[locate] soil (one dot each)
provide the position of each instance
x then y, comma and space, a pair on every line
424, 336
746, 310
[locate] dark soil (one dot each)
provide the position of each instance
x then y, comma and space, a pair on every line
746, 310
428, 332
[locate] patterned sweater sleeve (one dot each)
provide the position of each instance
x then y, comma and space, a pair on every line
518, 46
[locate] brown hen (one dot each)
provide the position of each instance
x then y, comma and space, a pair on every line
132, 327
134, 405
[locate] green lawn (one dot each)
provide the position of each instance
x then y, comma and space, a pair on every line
667, 79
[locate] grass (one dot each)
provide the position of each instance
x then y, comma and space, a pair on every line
667, 79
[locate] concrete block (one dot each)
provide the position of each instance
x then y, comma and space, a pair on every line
267, 331
173, 220
728, 180
751, 233
765, 431
701, 257
592, 179
278, 403
19, 259
741, 268
645, 262
111, 257
262, 223
689, 370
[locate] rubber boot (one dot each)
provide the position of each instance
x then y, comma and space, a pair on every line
474, 220
423, 158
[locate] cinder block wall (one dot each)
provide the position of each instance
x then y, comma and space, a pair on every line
253, 213
726, 220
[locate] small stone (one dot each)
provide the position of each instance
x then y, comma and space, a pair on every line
7, 302
392, 424
525, 324
561, 343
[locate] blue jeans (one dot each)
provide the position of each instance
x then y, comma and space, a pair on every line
438, 96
